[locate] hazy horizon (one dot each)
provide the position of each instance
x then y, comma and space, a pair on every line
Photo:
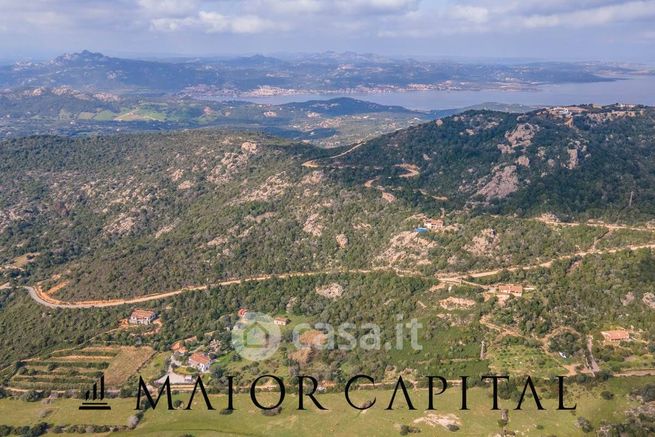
173, 57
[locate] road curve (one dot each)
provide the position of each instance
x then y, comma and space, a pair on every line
51, 302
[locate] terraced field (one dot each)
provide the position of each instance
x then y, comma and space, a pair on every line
75, 369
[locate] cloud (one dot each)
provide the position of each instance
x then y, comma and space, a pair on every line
259, 16
473, 14
334, 7
539, 13
171, 24
362, 18
381, 7
307, 25
595, 16
510, 16
214, 22
168, 8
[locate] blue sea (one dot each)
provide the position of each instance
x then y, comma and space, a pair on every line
636, 90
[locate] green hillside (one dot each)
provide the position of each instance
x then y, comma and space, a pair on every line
579, 162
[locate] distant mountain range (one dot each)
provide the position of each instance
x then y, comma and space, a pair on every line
261, 75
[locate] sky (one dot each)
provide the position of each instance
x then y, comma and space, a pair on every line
603, 30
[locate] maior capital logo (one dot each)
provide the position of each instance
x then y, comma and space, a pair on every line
94, 397
255, 336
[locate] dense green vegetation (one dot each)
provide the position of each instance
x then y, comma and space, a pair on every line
29, 329
524, 164
587, 296
135, 214
127, 215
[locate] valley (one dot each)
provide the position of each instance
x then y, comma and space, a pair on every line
483, 226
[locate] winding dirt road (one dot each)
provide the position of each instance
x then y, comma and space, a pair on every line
44, 299
313, 163
461, 277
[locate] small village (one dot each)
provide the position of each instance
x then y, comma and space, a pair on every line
190, 356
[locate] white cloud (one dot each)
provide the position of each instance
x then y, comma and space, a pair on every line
334, 7
252, 24
214, 22
168, 8
539, 13
375, 6
596, 16
511, 16
258, 16
321, 24
171, 24
360, 18
473, 14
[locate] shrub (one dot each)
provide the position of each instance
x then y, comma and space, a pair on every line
272, 412
584, 424
607, 395
406, 429
30, 396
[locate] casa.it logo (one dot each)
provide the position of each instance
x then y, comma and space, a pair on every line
255, 336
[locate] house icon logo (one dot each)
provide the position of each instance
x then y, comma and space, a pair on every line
256, 337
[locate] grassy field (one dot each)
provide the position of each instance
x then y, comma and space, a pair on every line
519, 359
63, 412
154, 368
340, 419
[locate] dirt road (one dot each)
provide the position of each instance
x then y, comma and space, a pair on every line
608, 226
44, 299
460, 277
313, 163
